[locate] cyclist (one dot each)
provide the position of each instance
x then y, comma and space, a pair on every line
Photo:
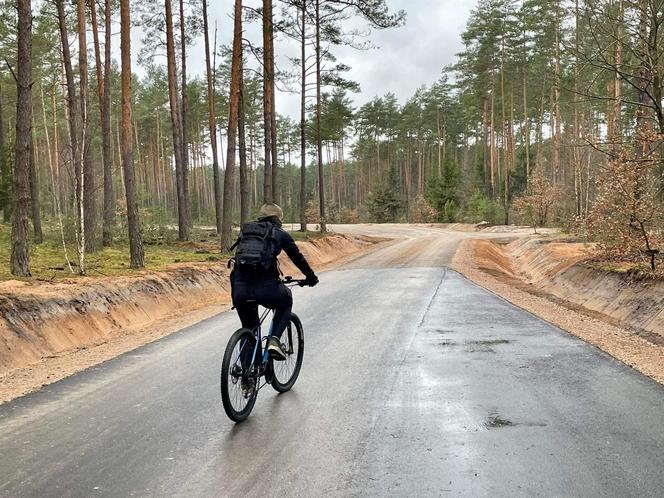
255, 279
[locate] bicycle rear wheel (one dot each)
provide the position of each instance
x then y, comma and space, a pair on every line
238, 404
285, 373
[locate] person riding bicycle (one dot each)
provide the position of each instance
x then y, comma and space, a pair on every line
255, 279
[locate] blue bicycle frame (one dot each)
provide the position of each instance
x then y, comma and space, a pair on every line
259, 339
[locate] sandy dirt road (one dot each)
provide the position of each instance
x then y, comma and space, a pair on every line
416, 382
418, 245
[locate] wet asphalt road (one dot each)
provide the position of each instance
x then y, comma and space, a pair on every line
415, 382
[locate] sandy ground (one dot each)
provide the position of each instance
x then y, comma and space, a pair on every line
24, 380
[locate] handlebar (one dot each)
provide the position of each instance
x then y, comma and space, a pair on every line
294, 281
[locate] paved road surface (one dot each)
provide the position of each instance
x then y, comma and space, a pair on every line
416, 383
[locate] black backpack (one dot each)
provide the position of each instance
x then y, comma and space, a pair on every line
256, 247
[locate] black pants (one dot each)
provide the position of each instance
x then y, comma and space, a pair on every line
270, 293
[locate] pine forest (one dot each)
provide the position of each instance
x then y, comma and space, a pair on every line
112, 142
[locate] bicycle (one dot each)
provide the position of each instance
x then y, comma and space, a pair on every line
240, 385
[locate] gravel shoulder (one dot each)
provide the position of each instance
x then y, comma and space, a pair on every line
622, 343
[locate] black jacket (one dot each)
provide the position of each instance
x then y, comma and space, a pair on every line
284, 242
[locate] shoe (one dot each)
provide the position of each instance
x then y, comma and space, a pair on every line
248, 387
276, 349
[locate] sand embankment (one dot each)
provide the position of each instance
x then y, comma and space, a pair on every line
557, 268
41, 320
615, 312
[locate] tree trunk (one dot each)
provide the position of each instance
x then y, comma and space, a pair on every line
104, 95
242, 146
526, 128
577, 125
183, 211
133, 222
643, 127
268, 77
492, 144
34, 196
5, 170
556, 110
319, 138
109, 194
212, 120
2, 130
439, 139
539, 129
71, 100
617, 88
47, 135
526, 119
89, 214
303, 124
53, 160
485, 148
183, 112
229, 177
20, 263
506, 160
276, 192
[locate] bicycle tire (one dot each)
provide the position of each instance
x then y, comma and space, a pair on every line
230, 390
283, 377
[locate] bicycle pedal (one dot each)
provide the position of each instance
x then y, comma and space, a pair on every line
269, 374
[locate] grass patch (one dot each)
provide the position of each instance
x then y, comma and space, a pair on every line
162, 250
632, 269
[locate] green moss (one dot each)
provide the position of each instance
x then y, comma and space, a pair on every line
623, 268
162, 250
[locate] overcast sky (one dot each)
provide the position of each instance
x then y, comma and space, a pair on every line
405, 59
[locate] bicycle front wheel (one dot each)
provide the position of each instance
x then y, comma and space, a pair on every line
285, 373
239, 386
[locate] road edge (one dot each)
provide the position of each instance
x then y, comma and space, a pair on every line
25, 380
621, 343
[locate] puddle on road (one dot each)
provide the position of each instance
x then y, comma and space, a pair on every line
484, 346
490, 342
441, 331
495, 422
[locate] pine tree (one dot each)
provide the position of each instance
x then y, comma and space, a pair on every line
20, 261
133, 222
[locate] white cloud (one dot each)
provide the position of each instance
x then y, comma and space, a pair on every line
407, 57
413, 54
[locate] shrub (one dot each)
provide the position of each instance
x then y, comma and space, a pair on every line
383, 206
480, 208
537, 203
421, 211
627, 219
